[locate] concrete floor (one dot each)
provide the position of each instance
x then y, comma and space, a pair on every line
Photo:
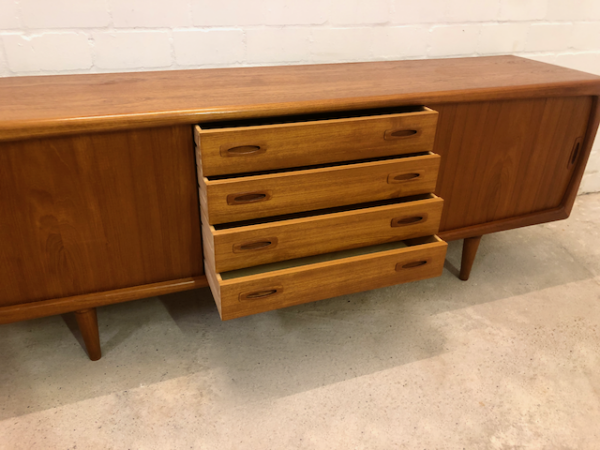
509, 359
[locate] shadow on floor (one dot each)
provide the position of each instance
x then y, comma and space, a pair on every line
278, 353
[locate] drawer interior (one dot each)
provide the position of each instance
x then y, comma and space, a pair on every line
315, 166
278, 120
281, 265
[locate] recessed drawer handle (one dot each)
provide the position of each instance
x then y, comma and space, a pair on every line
403, 177
243, 150
399, 134
257, 295
255, 245
248, 197
404, 221
575, 152
410, 265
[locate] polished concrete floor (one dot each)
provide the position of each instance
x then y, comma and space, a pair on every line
509, 359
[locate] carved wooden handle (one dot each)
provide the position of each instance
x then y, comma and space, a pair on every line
411, 265
263, 293
391, 135
260, 244
410, 220
242, 198
395, 178
243, 150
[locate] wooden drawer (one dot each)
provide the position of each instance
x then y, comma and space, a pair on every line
236, 147
249, 197
264, 288
242, 244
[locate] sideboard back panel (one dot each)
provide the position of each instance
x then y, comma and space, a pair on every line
507, 158
97, 212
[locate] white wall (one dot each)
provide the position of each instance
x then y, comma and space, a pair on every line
89, 36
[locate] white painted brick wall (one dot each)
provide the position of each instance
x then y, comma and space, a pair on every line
40, 14
132, 49
38, 53
419, 12
359, 12
9, 15
508, 37
472, 10
196, 47
586, 36
399, 42
453, 40
289, 44
228, 13
347, 44
3, 64
559, 10
549, 37
90, 36
141, 13
518, 10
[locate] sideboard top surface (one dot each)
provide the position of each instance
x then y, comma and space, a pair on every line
64, 104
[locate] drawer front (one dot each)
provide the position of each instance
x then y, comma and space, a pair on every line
255, 148
262, 292
236, 199
246, 246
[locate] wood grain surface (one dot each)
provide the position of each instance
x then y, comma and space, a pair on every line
27, 311
113, 216
298, 144
52, 105
304, 284
470, 246
311, 235
507, 159
92, 213
87, 321
311, 189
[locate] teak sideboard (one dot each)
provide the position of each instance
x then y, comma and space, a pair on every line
275, 185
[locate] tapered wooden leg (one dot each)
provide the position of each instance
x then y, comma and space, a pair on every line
470, 246
88, 326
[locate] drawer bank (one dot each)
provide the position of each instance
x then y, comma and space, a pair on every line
275, 186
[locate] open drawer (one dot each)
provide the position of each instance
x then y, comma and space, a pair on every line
278, 285
279, 142
244, 244
232, 199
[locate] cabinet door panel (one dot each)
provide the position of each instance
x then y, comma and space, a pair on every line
508, 158
90, 213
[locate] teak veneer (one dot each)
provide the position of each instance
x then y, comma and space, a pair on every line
101, 177
320, 188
